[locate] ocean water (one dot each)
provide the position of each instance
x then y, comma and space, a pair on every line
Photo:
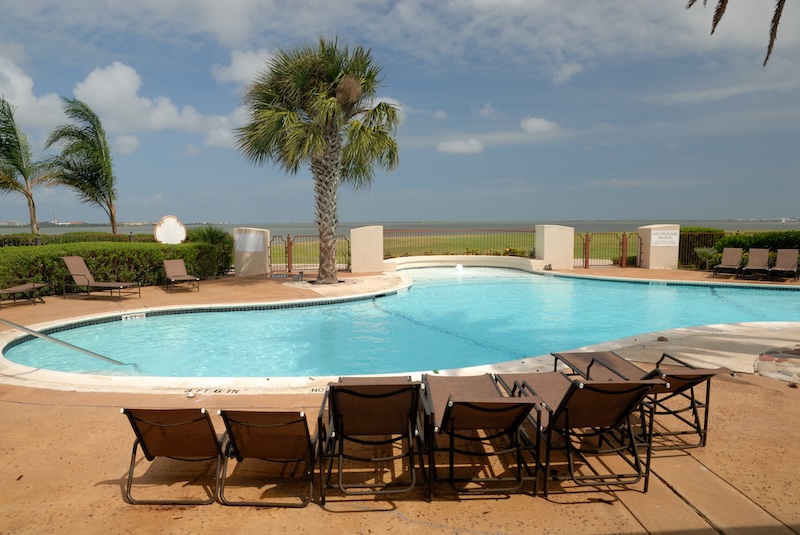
309, 229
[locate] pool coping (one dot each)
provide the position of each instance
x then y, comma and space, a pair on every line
21, 375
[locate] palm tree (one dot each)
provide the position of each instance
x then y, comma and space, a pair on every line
316, 105
722, 5
84, 164
18, 172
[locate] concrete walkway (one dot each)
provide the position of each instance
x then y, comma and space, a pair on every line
66, 451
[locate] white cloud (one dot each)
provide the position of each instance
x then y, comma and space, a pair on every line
461, 146
126, 144
31, 111
113, 93
244, 66
488, 111
566, 71
537, 125
439, 115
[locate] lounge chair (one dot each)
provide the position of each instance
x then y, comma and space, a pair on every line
581, 411
83, 278
757, 262
277, 437
369, 417
731, 261
24, 287
475, 419
681, 406
176, 274
786, 263
182, 434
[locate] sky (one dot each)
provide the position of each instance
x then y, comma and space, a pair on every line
512, 110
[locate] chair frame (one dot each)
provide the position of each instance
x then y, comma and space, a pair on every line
475, 403
175, 273
577, 427
380, 394
682, 380
266, 430
83, 278
23, 286
731, 261
175, 423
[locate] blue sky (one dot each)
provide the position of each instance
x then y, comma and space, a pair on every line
513, 110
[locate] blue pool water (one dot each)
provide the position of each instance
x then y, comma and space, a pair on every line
449, 319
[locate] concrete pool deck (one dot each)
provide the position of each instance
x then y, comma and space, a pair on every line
66, 452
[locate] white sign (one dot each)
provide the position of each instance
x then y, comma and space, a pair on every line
665, 238
169, 230
249, 242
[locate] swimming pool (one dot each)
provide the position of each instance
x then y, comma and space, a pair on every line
450, 318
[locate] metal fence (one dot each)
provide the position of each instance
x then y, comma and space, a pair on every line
690, 242
426, 242
603, 249
301, 253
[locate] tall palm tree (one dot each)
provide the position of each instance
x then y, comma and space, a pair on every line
316, 105
722, 5
84, 164
18, 172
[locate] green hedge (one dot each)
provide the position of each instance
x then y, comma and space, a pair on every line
786, 239
142, 262
11, 240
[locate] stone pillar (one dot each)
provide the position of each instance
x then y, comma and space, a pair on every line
555, 246
251, 251
366, 250
660, 246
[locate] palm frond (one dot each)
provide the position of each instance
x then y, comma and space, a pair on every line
722, 5
773, 29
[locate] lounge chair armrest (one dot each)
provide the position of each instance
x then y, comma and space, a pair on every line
604, 365
674, 359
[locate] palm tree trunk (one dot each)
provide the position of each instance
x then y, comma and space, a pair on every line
112, 214
327, 173
32, 211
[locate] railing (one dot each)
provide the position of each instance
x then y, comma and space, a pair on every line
301, 253
690, 242
427, 242
604, 249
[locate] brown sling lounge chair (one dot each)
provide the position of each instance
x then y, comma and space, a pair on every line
731, 261
786, 263
175, 271
681, 407
83, 278
369, 418
29, 287
579, 412
182, 434
757, 262
475, 420
277, 437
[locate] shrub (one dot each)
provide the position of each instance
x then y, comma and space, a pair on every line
142, 262
221, 239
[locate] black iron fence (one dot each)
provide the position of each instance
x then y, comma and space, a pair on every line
427, 242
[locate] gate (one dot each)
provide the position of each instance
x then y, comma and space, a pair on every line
607, 249
301, 253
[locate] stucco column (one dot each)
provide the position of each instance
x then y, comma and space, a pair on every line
660, 246
555, 246
251, 251
366, 250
